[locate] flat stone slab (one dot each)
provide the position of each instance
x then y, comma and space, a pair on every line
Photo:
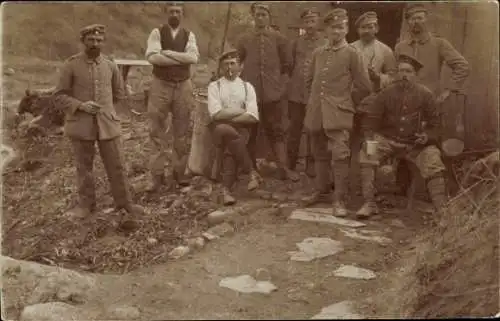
320, 215
354, 272
247, 284
315, 248
366, 235
340, 310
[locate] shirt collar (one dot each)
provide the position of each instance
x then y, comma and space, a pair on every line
338, 46
423, 38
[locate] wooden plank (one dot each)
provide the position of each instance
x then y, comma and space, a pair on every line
132, 62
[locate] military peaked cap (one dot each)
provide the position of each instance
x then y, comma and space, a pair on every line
260, 5
336, 16
309, 12
410, 60
414, 8
96, 29
367, 17
229, 54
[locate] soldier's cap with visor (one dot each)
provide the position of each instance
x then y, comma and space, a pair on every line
309, 13
417, 65
335, 17
412, 8
260, 5
229, 54
95, 29
367, 17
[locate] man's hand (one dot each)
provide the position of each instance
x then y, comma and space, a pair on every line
90, 107
374, 76
443, 96
422, 138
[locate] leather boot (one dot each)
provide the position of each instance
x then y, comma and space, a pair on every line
436, 187
316, 198
322, 182
340, 175
255, 180
227, 197
281, 155
157, 182
368, 189
134, 209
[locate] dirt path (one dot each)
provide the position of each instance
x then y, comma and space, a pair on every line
188, 288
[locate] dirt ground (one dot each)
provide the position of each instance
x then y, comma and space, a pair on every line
35, 228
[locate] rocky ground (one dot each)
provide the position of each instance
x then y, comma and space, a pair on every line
266, 257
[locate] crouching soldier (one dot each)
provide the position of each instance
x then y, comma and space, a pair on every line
402, 122
232, 105
335, 70
89, 85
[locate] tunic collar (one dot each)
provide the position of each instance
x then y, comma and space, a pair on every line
338, 46
423, 38
96, 60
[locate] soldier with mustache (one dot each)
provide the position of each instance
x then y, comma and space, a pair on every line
89, 86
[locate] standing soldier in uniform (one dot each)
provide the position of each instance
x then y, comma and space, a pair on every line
89, 85
433, 52
336, 69
377, 56
403, 122
302, 50
171, 49
266, 57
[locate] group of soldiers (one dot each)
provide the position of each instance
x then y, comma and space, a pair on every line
396, 94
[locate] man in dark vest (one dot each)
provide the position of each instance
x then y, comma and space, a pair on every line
171, 49
266, 58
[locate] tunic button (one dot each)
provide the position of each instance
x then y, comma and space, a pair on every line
403, 118
401, 130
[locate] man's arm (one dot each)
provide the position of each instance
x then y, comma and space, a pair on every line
388, 68
285, 54
191, 54
63, 93
309, 76
251, 114
118, 85
154, 51
431, 115
362, 85
215, 109
457, 63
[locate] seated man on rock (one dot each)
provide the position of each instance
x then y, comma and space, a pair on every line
232, 106
402, 122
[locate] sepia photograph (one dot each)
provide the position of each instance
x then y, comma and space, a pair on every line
249, 160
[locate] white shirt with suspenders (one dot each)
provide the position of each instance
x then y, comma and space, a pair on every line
224, 93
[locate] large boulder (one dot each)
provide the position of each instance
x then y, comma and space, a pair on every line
27, 283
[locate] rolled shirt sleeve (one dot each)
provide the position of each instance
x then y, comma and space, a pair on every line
214, 99
191, 47
251, 101
154, 43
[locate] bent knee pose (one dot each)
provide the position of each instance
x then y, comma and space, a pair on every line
402, 122
232, 106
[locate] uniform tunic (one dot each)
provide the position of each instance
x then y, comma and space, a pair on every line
333, 73
84, 80
378, 56
432, 52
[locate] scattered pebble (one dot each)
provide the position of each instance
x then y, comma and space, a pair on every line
340, 310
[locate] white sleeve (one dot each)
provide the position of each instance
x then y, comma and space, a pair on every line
214, 102
192, 47
154, 43
251, 102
